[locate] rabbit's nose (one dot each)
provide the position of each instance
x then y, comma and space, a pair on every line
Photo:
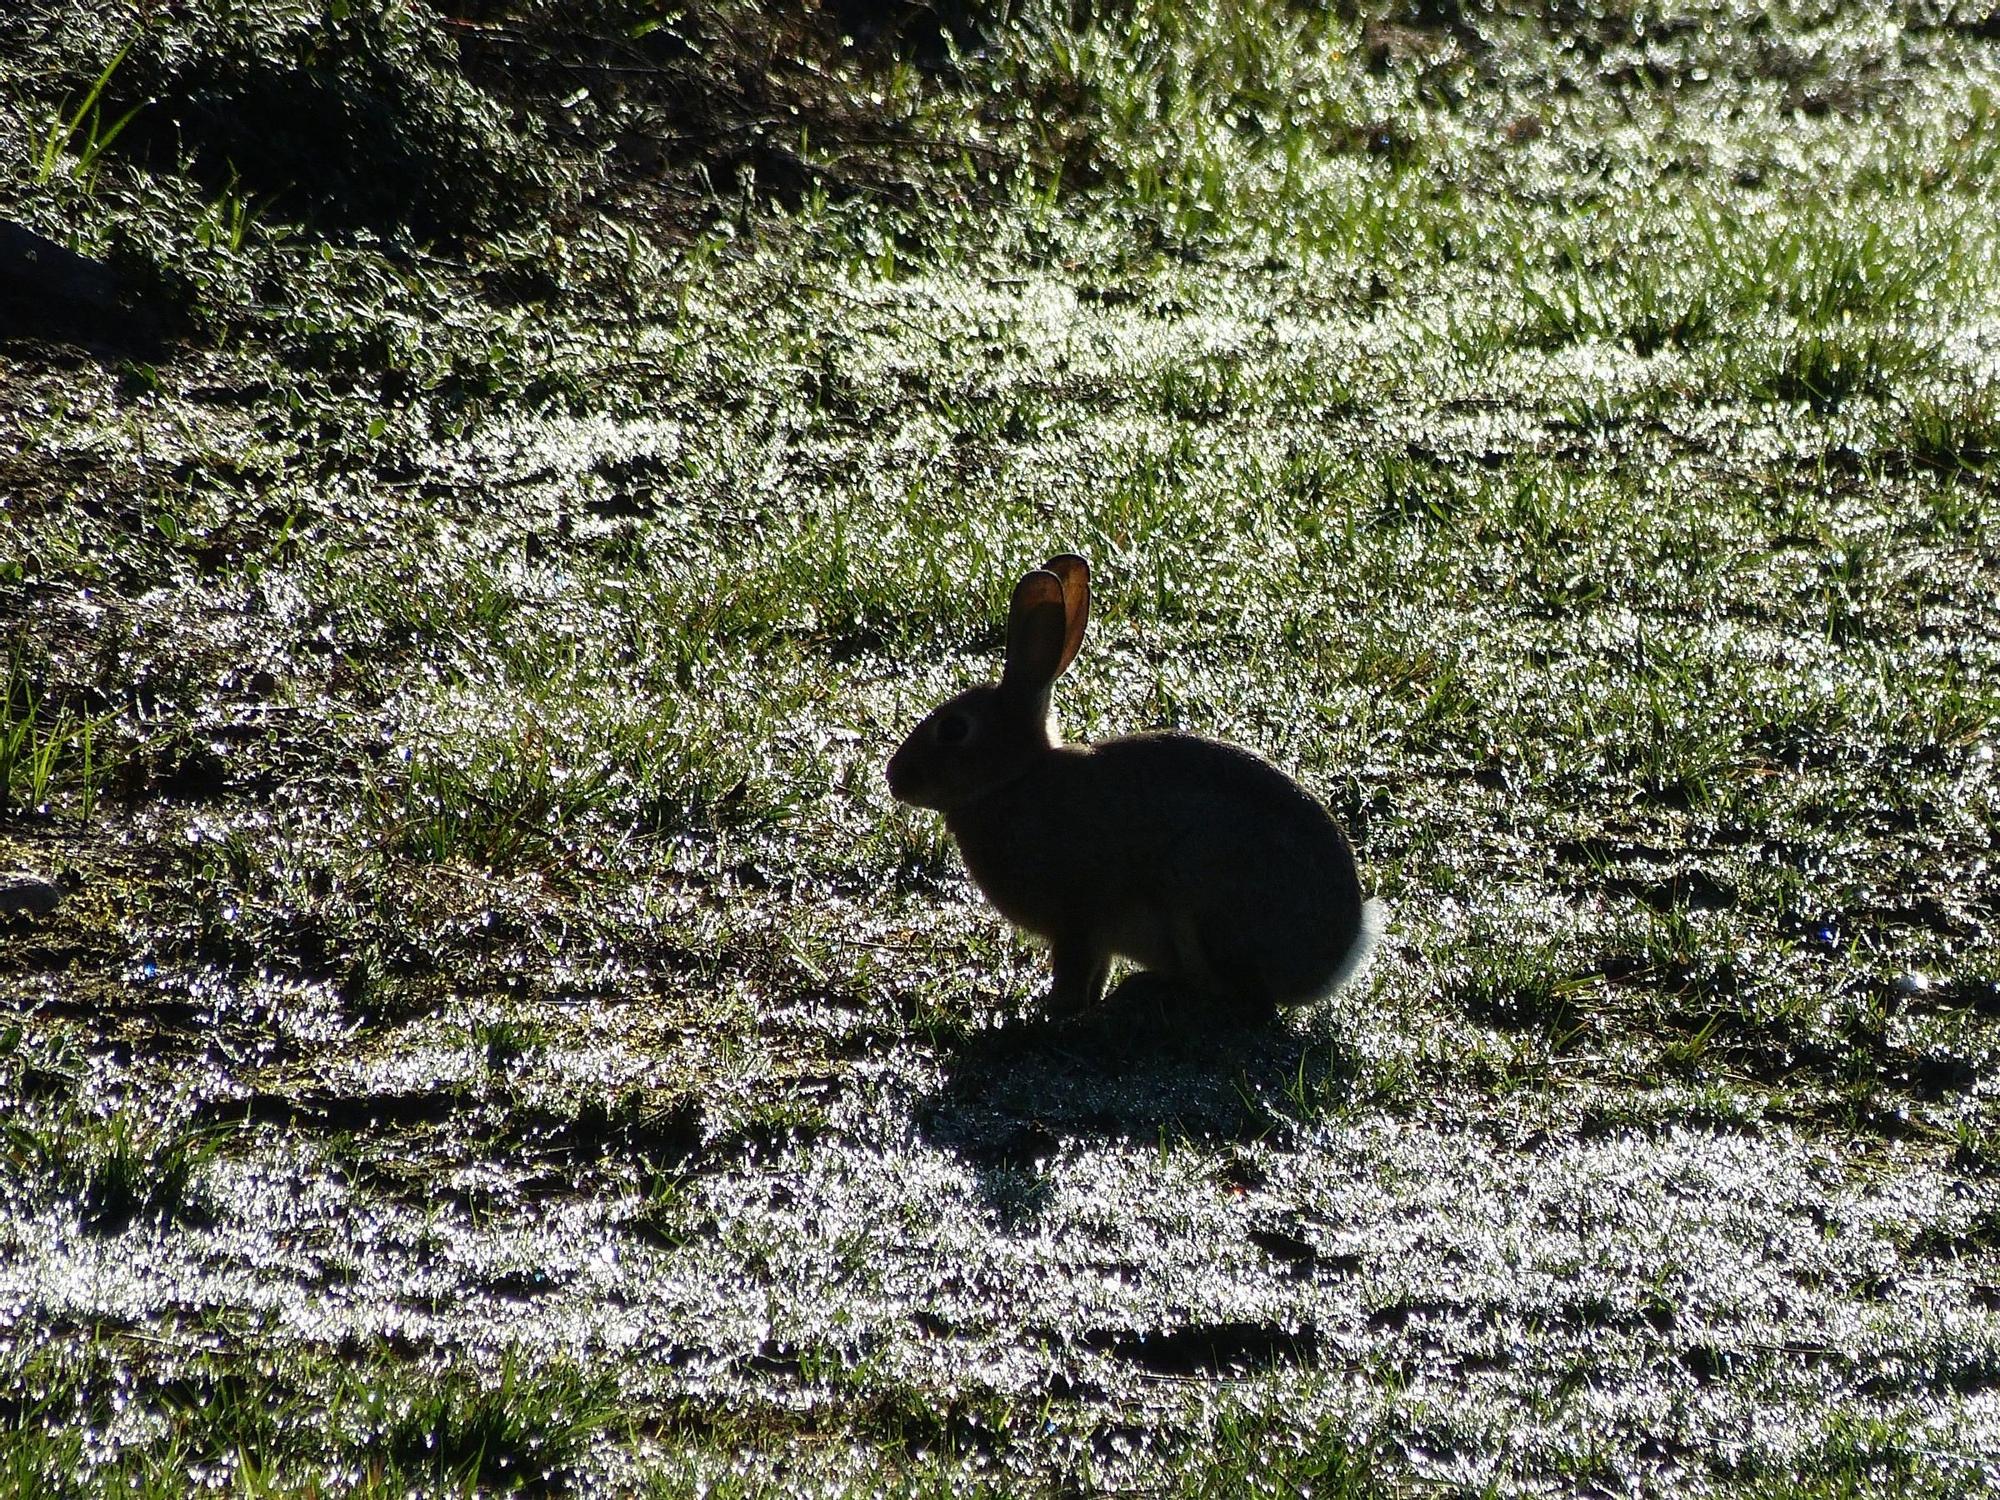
905, 776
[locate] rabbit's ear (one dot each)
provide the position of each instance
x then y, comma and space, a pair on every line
1075, 575
1036, 623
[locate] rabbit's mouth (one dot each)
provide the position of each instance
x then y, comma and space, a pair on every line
915, 781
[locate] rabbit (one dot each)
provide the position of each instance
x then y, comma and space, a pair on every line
1195, 860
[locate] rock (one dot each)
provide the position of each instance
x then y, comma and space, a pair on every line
34, 267
48, 291
22, 890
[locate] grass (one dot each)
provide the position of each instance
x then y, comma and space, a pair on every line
84, 135
47, 753
370, 1423
498, 1033
1954, 429
111, 1171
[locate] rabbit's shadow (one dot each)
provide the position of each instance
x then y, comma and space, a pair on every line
1147, 1065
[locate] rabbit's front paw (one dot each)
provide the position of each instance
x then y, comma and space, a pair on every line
1079, 974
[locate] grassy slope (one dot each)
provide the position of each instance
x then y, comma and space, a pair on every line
495, 998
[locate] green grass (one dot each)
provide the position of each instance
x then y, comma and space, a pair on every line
77, 141
369, 1423
1956, 428
49, 755
112, 1172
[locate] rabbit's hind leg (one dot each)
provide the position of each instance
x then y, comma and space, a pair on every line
1233, 970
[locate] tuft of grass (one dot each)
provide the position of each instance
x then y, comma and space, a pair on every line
1954, 426
1244, 1455
293, 1421
1852, 1457
115, 1170
1825, 366
1828, 267
1203, 389
84, 135
504, 1041
1344, 1084
46, 752
1646, 302
1513, 988
459, 1427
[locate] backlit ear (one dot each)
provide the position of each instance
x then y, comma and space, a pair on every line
1037, 623
1075, 575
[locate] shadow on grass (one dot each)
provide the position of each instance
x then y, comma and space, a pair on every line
1148, 1065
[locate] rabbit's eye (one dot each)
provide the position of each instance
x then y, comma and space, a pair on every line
954, 729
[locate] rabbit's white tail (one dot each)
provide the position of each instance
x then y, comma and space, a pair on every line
1373, 915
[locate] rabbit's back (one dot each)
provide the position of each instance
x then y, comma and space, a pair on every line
1254, 875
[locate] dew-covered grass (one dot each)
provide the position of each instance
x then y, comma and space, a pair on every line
498, 1033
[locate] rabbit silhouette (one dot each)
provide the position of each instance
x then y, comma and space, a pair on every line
1193, 859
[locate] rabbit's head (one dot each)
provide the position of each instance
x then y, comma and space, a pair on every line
988, 735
